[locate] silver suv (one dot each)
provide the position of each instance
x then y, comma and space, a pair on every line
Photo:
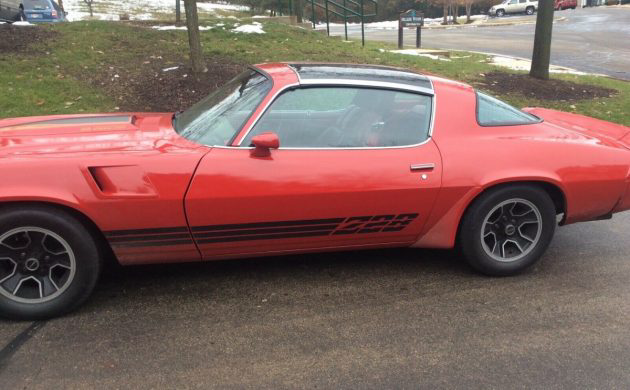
514, 7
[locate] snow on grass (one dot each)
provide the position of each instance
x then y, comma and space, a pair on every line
417, 53
22, 24
254, 28
523, 64
393, 24
169, 28
137, 10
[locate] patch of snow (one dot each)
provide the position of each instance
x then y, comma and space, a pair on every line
169, 69
413, 52
112, 9
393, 24
22, 24
168, 28
523, 64
254, 28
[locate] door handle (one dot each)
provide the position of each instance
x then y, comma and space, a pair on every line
422, 167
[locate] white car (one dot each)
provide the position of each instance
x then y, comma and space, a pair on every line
514, 7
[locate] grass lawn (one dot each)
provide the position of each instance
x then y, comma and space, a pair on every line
74, 71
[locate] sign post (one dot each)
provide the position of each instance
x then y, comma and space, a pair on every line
410, 18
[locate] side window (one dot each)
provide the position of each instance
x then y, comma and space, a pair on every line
346, 117
493, 112
522, 1
513, 2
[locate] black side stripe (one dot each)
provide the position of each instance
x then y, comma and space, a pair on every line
259, 230
149, 237
150, 243
264, 237
154, 237
113, 233
244, 232
268, 224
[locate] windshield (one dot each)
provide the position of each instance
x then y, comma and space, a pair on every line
217, 118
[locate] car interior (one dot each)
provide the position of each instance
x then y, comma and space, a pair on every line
360, 117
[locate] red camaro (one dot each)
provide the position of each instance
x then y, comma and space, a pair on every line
292, 158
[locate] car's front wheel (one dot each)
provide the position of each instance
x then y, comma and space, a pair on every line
49, 262
500, 13
507, 229
529, 11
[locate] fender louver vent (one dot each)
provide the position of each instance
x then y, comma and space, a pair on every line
122, 180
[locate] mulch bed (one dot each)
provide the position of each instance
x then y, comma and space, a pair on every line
552, 89
18, 39
151, 85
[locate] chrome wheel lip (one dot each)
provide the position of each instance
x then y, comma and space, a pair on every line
533, 242
60, 289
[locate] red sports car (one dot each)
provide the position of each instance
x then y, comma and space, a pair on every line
292, 158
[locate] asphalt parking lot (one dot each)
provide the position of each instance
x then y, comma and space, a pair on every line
593, 40
390, 318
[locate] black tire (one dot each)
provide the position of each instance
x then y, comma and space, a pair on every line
529, 10
72, 288
500, 13
477, 253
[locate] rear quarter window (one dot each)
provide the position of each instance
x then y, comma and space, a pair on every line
493, 112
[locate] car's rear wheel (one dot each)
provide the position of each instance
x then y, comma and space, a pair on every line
500, 12
529, 11
508, 229
49, 262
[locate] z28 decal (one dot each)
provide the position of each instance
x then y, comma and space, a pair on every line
212, 234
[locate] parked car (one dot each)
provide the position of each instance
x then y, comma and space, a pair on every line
294, 158
514, 7
564, 4
32, 11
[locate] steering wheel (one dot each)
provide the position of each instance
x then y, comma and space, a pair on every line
332, 136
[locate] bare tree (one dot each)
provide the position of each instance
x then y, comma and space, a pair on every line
299, 10
542, 40
192, 25
454, 6
89, 4
468, 6
61, 5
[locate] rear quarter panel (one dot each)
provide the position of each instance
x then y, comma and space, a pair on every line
590, 172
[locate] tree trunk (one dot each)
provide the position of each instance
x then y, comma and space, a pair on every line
445, 12
299, 10
468, 9
178, 12
542, 40
89, 5
61, 5
192, 24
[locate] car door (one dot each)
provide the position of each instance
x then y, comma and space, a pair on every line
368, 177
522, 5
511, 7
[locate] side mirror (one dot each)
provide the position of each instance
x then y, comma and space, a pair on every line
263, 143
